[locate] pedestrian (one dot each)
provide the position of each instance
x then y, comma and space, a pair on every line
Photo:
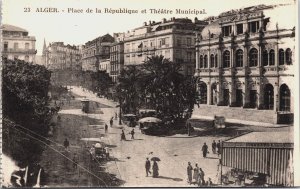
111, 122
116, 115
148, 166
66, 144
209, 182
201, 175
189, 127
214, 146
123, 135
204, 150
155, 169
106, 128
189, 172
132, 134
75, 161
106, 152
196, 173
219, 147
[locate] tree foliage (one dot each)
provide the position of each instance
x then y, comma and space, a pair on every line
25, 103
157, 84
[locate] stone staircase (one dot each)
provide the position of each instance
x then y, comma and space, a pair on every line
238, 113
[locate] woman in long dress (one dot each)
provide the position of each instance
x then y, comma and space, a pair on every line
155, 169
196, 173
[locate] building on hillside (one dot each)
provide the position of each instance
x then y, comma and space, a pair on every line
174, 39
59, 56
17, 44
245, 58
117, 56
95, 51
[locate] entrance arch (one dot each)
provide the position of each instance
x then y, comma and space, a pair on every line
285, 98
203, 93
269, 96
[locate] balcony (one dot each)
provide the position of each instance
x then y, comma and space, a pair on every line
23, 51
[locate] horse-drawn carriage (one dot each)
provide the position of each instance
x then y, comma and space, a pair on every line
99, 152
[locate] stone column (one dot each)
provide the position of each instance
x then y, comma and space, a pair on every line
209, 92
219, 87
245, 83
260, 95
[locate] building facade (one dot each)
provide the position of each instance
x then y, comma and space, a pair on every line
59, 56
17, 44
245, 58
174, 39
117, 56
95, 51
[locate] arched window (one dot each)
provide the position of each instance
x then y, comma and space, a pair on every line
285, 98
253, 57
226, 59
201, 61
272, 57
265, 58
205, 61
281, 56
239, 58
216, 61
288, 56
212, 61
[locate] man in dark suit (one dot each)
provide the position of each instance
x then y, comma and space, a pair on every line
147, 166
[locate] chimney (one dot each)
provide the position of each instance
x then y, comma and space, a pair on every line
196, 19
145, 23
164, 20
149, 22
153, 22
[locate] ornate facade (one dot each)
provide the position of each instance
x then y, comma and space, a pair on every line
117, 56
17, 44
245, 58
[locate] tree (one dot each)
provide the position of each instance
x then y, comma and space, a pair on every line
157, 84
25, 103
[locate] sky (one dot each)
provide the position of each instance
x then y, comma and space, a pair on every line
78, 28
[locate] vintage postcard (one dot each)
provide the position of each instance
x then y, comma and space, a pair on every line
128, 93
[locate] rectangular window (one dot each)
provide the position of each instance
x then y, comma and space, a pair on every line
26, 46
189, 56
5, 47
239, 28
178, 42
226, 30
163, 41
253, 26
16, 46
189, 41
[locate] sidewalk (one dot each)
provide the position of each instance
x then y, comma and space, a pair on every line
244, 122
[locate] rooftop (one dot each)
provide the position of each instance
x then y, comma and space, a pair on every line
264, 137
7, 27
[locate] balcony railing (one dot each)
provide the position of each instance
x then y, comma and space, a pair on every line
29, 51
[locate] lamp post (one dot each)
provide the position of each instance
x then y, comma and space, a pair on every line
120, 111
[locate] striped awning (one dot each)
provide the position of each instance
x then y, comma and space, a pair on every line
272, 159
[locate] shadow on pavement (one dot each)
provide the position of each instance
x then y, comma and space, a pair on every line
170, 178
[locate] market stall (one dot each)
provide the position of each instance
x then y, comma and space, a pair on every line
268, 155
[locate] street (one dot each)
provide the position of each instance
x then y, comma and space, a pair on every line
128, 157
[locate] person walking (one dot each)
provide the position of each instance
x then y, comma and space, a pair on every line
123, 135
75, 161
201, 177
155, 169
196, 173
189, 172
219, 147
204, 150
111, 121
147, 166
214, 146
66, 144
132, 134
106, 128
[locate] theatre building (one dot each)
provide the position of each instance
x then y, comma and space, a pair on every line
245, 64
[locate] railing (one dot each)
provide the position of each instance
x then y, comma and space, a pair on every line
31, 51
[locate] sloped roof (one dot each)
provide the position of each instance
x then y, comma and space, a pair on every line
264, 137
7, 27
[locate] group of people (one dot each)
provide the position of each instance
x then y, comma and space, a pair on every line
123, 137
216, 148
196, 176
154, 168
